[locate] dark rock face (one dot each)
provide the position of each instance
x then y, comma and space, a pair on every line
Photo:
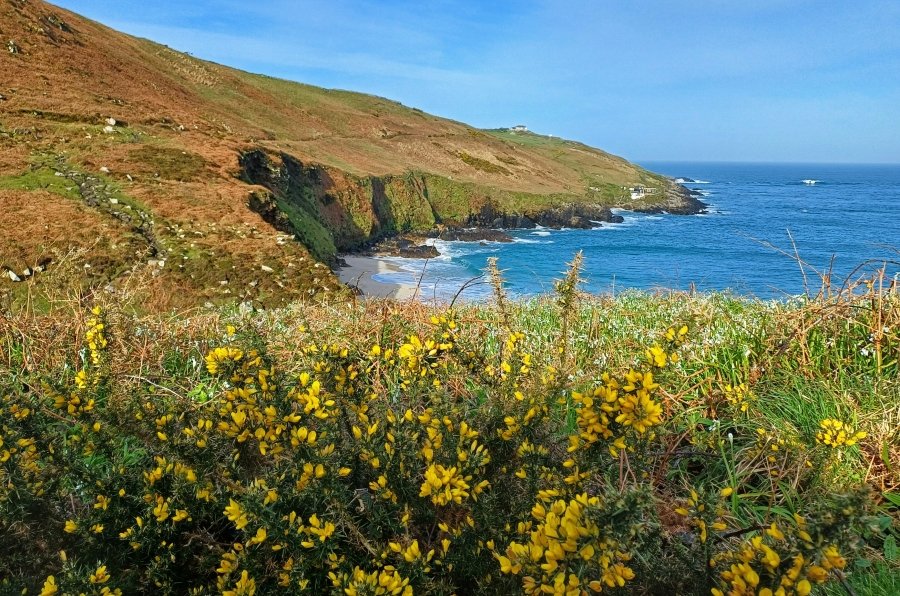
421, 251
572, 215
409, 247
474, 235
489, 217
679, 201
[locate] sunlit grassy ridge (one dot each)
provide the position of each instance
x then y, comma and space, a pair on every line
642, 444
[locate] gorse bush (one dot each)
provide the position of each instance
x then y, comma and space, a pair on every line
441, 451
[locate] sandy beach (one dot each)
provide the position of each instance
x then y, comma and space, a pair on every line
359, 273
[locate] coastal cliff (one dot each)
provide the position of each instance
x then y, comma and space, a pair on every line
331, 211
220, 185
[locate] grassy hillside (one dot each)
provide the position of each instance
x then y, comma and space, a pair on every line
644, 444
131, 154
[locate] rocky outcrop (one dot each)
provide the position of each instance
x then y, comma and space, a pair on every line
576, 215
472, 235
408, 247
678, 201
571, 215
331, 211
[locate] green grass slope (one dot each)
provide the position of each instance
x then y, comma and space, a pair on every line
337, 169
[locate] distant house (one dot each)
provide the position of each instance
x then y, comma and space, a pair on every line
639, 192
519, 128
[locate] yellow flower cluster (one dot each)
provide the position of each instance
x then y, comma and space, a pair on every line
245, 586
20, 459
444, 485
252, 412
452, 483
95, 336
81, 400
421, 359
677, 337
218, 359
658, 357
386, 581
768, 565
426, 459
515, 360
616, 412
567, 552
837, 434
76, 404
96, 580
738, 396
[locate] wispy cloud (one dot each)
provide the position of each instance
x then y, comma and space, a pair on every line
651, 79
292, 54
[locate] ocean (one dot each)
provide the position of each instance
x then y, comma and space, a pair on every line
767, 234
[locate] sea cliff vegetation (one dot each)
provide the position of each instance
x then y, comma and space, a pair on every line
227, 186
571, 444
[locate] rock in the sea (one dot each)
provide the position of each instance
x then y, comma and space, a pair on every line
411, 248
422, 251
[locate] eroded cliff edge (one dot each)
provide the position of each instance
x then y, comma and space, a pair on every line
332, 211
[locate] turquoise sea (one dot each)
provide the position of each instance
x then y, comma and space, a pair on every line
760, 218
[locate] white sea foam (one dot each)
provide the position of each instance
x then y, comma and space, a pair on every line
451, 248
531, 241
540, 233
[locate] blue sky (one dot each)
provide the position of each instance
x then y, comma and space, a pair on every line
718, 80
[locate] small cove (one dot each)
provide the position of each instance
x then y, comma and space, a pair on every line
758, 215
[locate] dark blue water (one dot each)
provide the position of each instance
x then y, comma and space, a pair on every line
759, 215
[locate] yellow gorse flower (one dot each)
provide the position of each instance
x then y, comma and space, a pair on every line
386, 581
566, 538
217, 358
444, 485
738, 396
100, 576
49, 588
837, 434
245, 586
